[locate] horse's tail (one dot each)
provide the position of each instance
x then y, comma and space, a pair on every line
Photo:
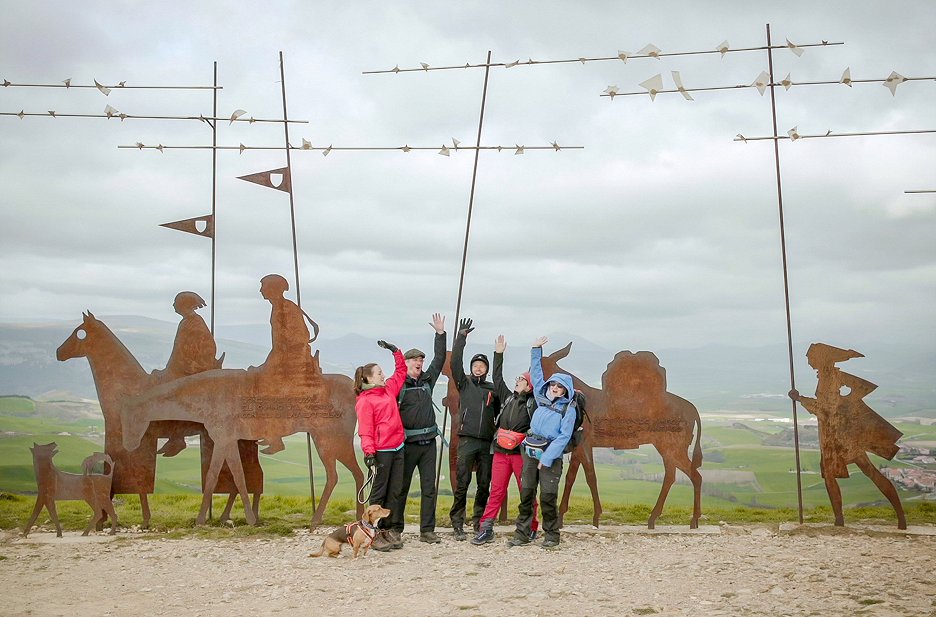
697, 451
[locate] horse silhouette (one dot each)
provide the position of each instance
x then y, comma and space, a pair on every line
237, 404
633, 408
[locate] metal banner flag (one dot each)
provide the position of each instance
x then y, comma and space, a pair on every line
199, 225
275, 179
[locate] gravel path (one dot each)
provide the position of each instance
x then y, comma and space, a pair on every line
618, 571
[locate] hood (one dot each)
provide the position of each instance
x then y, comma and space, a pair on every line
564, 379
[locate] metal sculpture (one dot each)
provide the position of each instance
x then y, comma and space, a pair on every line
286, 394
117, 374
53, 484
848, 428
633, 408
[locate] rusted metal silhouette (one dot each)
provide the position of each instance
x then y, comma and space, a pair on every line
633, 408
53, 484
285, 395
848, 428
117, 374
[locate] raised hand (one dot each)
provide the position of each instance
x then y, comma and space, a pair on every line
388, 346
464, 326
438, 323
500, 344
540, 341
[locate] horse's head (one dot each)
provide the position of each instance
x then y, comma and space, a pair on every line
76, 345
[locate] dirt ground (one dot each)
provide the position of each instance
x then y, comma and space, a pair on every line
717, 570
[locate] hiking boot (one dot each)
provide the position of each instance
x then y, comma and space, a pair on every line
381, 542
429, 537
395, 539
459, 534
533, 535
549, 543
484, 536
517, 541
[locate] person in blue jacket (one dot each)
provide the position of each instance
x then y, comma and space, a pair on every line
551, 429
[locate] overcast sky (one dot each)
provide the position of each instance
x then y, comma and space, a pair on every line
662, 232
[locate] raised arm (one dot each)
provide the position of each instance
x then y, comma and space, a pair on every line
536, 369
396, 381
457, 363
438, 350
503, 391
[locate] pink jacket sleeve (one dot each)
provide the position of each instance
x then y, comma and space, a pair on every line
365, 419
396, 381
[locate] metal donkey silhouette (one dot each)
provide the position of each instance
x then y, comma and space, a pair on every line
633, 408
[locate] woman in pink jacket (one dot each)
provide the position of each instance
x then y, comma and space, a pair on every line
382, 437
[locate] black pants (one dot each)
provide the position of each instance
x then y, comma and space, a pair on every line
547, 479
387, 483
421, 456
471, 451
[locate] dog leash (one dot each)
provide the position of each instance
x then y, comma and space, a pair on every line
371, 474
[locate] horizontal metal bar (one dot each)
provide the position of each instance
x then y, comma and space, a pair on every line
6, 84
531, 62
922, 191
830, 134
777, 85
120, 116
354, 148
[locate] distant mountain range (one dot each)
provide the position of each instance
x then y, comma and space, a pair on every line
714, 377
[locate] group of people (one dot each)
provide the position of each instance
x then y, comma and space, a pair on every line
521, 431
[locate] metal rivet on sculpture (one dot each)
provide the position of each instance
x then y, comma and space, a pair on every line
286, 394
848, 428
93, 488
633, 408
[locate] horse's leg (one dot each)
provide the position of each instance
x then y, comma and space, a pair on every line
835, 497
684, 464
35, 514
232, 497
453, 457
50, 506
669, 476
211, 481
502, 515
885, 486
144, 505
575, 461
345, 454
588, 463
256, 504
331, 479
232, 457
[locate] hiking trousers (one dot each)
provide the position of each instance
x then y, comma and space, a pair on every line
547, 480
504, 466
387, 482
471, 451
422, 456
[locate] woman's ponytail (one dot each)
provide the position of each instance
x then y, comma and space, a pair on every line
361, 374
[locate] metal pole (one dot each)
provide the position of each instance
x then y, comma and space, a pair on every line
292, 215
214, 186
786, 280
461, 276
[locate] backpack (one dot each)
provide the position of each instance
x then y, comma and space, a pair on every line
578, 400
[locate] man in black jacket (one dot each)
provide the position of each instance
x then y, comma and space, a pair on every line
419, 423
479, 404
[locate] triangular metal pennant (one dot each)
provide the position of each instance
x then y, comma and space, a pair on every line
199, 225
275, 179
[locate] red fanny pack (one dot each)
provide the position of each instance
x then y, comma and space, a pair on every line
509, 439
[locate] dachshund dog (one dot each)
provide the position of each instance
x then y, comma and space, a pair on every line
359, 534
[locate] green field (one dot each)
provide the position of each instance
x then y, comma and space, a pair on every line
625, 478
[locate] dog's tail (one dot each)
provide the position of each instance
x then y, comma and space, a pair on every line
320, 551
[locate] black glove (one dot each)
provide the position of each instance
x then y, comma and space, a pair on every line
464, 327
388, 346
370, 460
